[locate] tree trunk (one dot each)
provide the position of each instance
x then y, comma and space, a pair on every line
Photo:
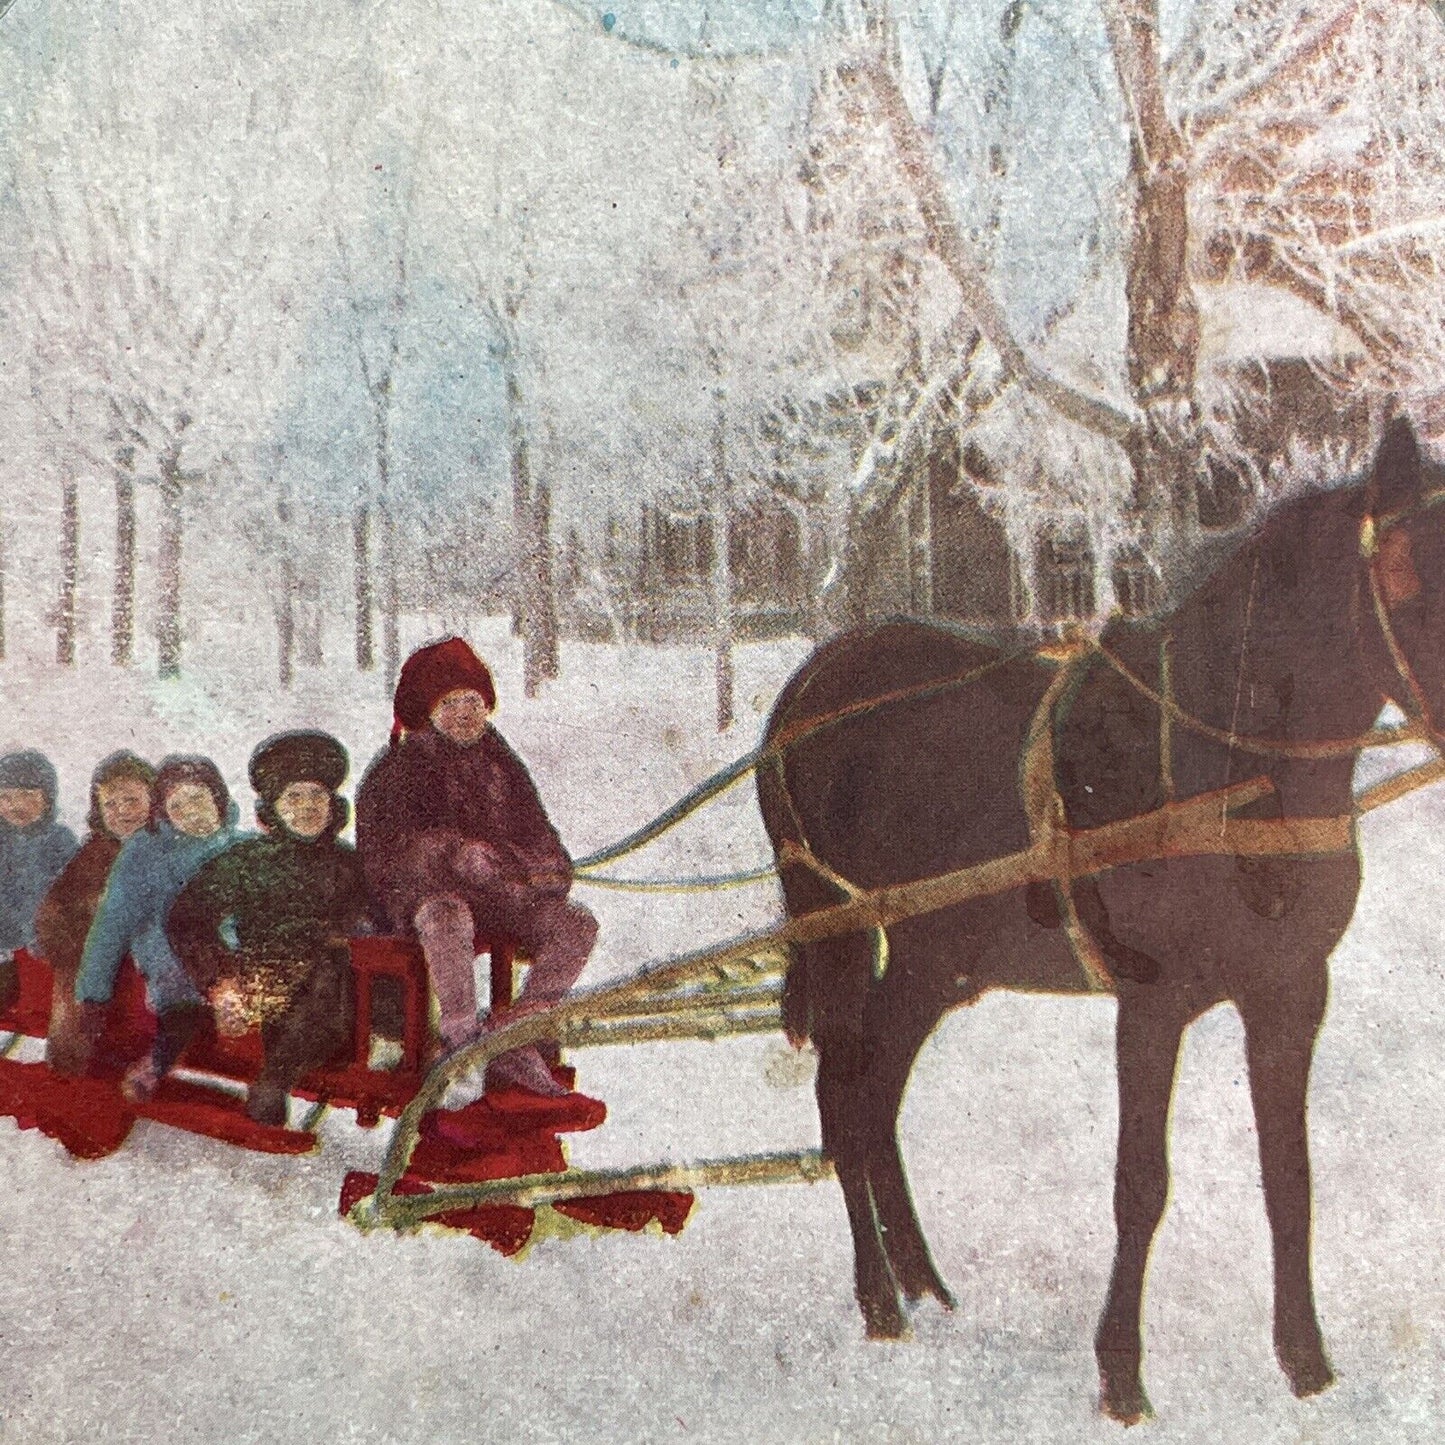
122, 615
534, 608
920, 545
286, 625
1163, 324
523, 527
285, 604
390, 602
390, 588
546, 590
69, 571
309, 621
721, 577
361, 567
168, 621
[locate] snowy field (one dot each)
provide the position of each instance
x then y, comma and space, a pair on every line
182, 1291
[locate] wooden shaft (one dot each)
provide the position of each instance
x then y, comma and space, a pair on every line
721, 1001
1393, 789
404, 1211
702, 1026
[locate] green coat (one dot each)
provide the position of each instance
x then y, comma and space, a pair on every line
266, 911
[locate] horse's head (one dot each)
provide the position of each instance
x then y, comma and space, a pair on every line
1402, 541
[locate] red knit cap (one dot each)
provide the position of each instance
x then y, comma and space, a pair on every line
429, 674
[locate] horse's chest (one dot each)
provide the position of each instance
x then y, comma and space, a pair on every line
1242, 919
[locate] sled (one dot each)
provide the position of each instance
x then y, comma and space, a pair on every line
205, 1094
507, 1133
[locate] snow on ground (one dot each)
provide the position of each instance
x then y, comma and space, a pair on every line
184, 1291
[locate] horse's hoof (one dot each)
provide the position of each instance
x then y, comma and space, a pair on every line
940, 1292
1308, 1372
1122, 1397
928, 1283
1128, 1406
885, 1323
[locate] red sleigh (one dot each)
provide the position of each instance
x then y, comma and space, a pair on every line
355, 1082
507, 1133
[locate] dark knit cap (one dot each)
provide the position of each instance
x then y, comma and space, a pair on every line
175, 771
124, 764
299, 757
430, 673
29, 769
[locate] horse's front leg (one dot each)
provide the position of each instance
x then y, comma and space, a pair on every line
849, 1113
1150, 1027
1279, 1039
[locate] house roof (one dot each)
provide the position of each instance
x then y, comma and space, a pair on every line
1246, 321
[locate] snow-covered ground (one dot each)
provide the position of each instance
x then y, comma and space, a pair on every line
183, 1291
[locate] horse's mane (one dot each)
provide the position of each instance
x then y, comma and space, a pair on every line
1204, 562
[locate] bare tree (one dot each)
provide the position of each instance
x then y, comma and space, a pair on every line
534, 604
720, 582
64, 617
131, 310
380, 325
66, 601
1239, 175
1316, 172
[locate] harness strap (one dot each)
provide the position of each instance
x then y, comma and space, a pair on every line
1049, 831
1418, 710
804, 855
1266, 747
1289, 837
1166, 718
773, 752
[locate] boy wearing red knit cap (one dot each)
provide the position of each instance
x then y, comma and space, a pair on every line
454, 839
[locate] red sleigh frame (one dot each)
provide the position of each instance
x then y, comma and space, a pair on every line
230, 1063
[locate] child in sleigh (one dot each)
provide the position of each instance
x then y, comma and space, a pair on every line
262, 929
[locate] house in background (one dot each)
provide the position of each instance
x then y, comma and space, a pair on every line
660, 580
1022, 517
1018, 518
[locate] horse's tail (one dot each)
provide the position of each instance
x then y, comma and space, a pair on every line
781, 821
780, 817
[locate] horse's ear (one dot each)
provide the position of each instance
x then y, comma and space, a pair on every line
1398, 469
1395, 567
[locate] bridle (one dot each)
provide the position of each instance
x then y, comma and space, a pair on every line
1375, 529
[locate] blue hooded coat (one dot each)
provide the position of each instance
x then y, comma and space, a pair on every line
146, 879
30, 858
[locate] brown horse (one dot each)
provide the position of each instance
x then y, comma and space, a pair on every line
1295, 641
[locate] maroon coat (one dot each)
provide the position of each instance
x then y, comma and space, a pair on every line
65, 913
61, 924
427, 797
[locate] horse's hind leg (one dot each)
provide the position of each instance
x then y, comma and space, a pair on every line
1279, 1039
895, 1039
845, 1110
1150, 1027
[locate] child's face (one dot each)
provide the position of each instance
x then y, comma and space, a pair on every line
192, 810
305, 809
20, 807
461, 716
125, 804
